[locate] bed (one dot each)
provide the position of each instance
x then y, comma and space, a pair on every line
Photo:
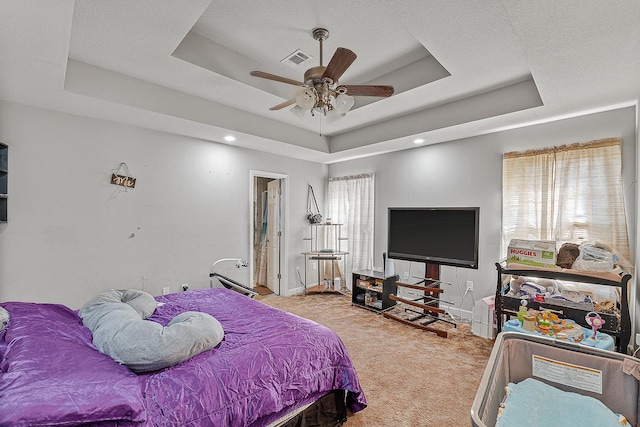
272, 368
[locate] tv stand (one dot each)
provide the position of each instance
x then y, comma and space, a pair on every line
428, 303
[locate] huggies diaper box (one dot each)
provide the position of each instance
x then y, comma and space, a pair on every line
541, 253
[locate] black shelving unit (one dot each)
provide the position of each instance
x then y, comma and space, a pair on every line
371, 290
620, 328
4, 170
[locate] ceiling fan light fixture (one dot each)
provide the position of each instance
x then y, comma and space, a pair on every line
320, 91
343, 103
306, 98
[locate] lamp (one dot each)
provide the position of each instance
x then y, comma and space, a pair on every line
306, 98
343, 103
322, 98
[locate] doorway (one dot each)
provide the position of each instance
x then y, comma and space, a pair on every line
268, 232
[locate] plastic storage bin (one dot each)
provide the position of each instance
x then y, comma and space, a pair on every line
514, 355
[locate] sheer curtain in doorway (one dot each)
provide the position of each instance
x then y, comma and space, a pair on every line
351, 202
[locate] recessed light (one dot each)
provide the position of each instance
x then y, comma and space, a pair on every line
229, 138
418, 141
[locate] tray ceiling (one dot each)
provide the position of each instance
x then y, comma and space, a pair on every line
459, 68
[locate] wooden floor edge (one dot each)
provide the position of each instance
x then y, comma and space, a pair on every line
438, 332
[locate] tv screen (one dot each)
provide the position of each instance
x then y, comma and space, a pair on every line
445, 236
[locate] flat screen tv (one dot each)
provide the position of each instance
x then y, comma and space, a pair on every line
444, 236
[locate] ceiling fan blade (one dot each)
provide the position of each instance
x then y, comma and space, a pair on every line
368, 90
280, 79
283, 104
340, 61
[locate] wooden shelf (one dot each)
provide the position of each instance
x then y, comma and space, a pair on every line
371, 288
428, 289
427, 307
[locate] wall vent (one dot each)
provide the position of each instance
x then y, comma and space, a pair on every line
296, 58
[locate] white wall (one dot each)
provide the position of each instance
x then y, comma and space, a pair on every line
71, 233
469, 173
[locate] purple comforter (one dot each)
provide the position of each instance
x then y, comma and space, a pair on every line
269, 363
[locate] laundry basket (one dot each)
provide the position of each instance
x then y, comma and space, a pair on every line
517, 356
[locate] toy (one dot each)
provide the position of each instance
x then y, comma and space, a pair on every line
522, 312
546, 320
529, 323
595, 321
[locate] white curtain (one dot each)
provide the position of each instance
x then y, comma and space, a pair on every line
568, 193
351, 203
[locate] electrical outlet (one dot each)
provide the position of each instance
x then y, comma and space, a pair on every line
405, 276
166, 290
314, 265
185, 287
469, 286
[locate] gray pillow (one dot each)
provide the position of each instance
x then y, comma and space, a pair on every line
4, 318
142, 302
120, 331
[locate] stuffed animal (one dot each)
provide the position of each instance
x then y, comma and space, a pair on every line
567, 255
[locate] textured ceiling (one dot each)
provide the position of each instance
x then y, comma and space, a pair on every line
460, 68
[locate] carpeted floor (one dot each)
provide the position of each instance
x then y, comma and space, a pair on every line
411, 378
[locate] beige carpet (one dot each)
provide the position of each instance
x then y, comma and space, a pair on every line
411, 378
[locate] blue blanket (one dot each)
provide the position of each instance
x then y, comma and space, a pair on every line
532, 403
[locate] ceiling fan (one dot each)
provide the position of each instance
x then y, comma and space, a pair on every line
320, 91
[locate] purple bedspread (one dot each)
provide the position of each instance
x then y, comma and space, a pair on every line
50, 373
269, 363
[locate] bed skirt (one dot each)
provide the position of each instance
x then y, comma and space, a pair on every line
328, 411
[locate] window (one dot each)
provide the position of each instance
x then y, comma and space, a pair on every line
567, 193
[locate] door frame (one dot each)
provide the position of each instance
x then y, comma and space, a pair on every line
274, 235
284, 223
